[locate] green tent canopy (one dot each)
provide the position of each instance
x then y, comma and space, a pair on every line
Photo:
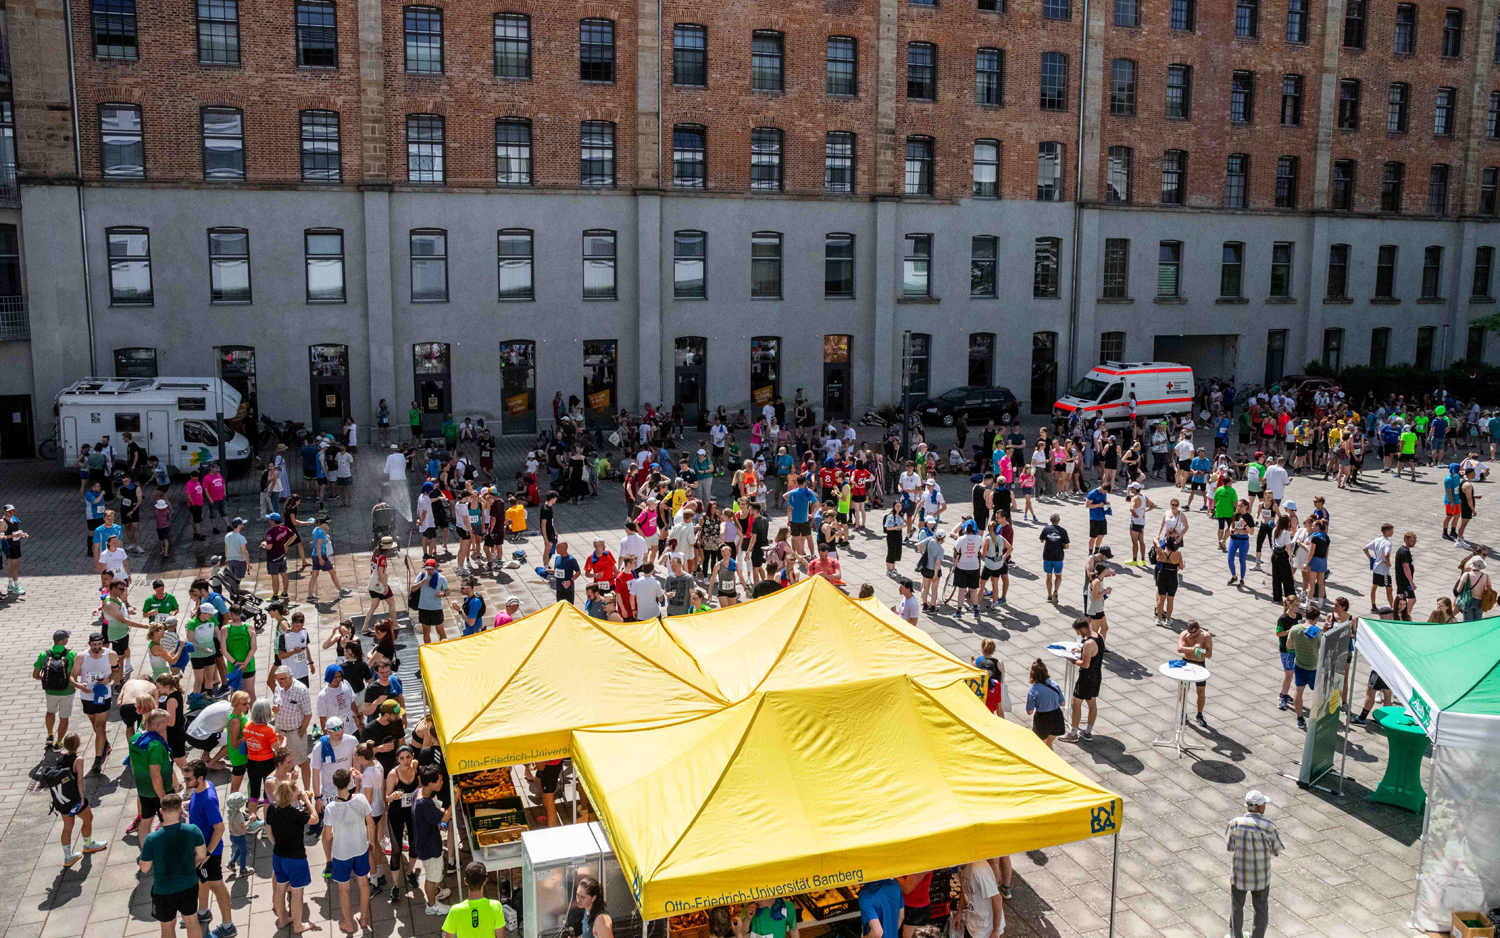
1448, 674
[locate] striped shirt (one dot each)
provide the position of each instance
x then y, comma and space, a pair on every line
294, 704
1253, 840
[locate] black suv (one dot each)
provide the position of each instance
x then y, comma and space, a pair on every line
976, 404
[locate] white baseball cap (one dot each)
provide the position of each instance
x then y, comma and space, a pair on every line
1255, 798
1289, 505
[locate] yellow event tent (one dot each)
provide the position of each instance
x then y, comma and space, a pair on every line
810, 788
514, 694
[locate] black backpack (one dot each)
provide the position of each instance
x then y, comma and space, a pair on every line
55, 671
53, 775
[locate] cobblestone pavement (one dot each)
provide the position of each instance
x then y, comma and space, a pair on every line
1349, 865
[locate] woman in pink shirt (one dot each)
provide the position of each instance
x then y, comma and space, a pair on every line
214, 488
194, 490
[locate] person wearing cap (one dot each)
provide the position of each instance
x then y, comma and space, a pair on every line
510, 613
278, 537
334, 750
930, 552
395, 465
322, 560
95, 673
203, 631
1252, 840
470, 607
237, 549
432, 590
54, 669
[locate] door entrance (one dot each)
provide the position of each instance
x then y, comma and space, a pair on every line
328, 372
1043, 372
1210, 356
518, 386
237, 368
690, 377
836, 376
158, 436
15, 427
433, 380
599, 378
765, 371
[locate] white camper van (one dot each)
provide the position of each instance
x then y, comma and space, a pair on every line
173, 418
1160, 388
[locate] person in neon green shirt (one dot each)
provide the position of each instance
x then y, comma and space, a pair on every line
476, 916
1408, 452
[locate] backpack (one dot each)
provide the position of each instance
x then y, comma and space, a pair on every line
55, 671
53, 776
479, 616
442, 512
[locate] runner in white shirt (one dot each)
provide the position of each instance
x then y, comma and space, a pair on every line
1184, 453
1379, 553
632, 545
769, 413
395, 465
966, 552
1277, 479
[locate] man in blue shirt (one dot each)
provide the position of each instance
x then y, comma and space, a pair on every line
106, 530
204, 813
1390, 441
1198, 479
1451, 498
881, 909
309, 452
565, 570
93, 516
1437, 439
799, 502
1099, 510
1221, 434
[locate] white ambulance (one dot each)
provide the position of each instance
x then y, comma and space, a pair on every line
173, 418
1159, 389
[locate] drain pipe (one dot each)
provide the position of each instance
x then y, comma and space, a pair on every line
1083, 97
83, 218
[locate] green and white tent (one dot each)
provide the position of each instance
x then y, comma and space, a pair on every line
1447, 673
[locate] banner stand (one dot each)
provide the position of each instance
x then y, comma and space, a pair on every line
1325, 719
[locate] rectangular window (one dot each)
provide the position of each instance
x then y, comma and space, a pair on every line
228, 265
1057, 9
223, 143
122, 150
1281, 268
919, 169
987, 169
1392, 181
1406, 29
1333, 349
1174, 177
599, 265
1484, 262
321, 157
1049, 181
989, 77
1489, 182
765, 159
1231, 269
1492, 120
1474, 352
317, 34
218, 32
1169, 268
1432, 272
765, 265
129, 266
1122, 88
690, 55
512, 45
596, 154
1246, 18
983, 251
916, 266
1396, 108
1111, 347
690, 265
596, 50
992, 6
1242, 97
429, 265
1385, 272
689, 156
843, 66
1453, 33
1236, 180
766, 61
1127, 12
1291, 100
1179, 92
324, 251
1117, 176
1343, 185
1442, 115
1354, 24
1275, 355
1338, 272
1116, 268
513, 255
1054, 84
1296, 21
838, 266
1286, 182
513, 151
1184, 14
921, 71
1349, 104
1380, 347
1437, 190
838, 161
1046, 268
424, 148
1426, 338
114, 29
982, 361
423, 27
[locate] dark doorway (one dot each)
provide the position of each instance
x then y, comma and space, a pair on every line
15, 427
1210, 356
691, 376
432, 377
918, 368
518, 386
328, 368
237, 368
836, 376
600, 374
765, 370
1043, 372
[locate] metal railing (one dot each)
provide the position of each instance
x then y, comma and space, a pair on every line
10, 191
15, 320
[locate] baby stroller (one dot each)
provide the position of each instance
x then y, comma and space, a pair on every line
226, 584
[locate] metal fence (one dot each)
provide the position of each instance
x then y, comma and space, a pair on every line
10, 192
15, 321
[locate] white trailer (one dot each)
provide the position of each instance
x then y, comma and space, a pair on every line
174, 419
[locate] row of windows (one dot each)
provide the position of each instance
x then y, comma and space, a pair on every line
1380, 347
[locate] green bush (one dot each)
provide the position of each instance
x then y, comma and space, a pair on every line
1465, 382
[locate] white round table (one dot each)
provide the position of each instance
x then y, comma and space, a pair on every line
1069, 652
1186, 675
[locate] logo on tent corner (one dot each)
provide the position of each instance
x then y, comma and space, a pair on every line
1102, 820
1421, 709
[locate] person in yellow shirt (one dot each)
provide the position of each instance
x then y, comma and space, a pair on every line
477, 916
676, 498
1331, 462
515, 518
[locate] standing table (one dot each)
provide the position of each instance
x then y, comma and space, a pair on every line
1402, 784
1186, 676
1068, 652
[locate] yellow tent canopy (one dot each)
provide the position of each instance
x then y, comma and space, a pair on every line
806, 789
514, 694
811, 635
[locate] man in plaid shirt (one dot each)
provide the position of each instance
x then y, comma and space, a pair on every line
1253, 840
